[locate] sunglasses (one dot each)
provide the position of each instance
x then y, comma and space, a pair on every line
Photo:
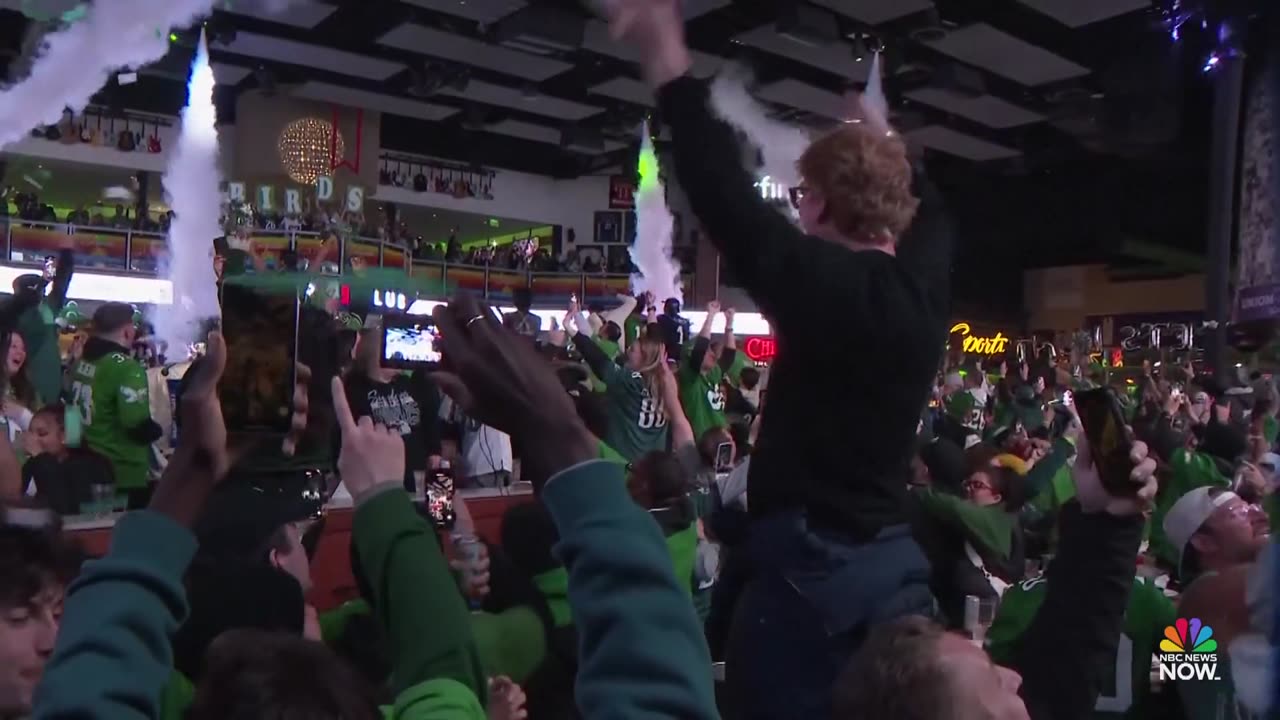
797, 194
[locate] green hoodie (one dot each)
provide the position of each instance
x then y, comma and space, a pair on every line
988, 527
113, 658
511, 643
642, 651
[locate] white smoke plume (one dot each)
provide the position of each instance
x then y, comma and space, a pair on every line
78, 60
657, 271
780, 144
191, 184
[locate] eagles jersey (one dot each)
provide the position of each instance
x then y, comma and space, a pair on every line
1125, 683
702, 397
111, 393
637, 419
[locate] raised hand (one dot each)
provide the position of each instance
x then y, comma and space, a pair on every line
1092, 493
372, 455
502, 381
656, 29
506, 700
713, 307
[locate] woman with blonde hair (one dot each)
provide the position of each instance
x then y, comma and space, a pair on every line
637, 416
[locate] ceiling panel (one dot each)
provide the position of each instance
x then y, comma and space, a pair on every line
698, 8
596, 39
515, 98
944, 139
874, 12
1078, 13
341, 62
801, 96
544, 134
392, 104
298, 13
229, 74
485, 11
627, 89
986, 47
837, 58
441, 44
987, 109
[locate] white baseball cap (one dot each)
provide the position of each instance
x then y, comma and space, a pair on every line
1189, 513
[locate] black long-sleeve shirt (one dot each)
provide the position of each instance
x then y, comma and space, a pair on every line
843, 402
1078, 627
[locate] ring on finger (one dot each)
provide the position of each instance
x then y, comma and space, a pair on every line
474, 320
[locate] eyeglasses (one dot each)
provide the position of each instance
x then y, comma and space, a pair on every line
797, 194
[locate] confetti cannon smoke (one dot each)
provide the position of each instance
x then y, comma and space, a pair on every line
191, 184
657, 271
78, 60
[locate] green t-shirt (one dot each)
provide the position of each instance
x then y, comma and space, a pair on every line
637, 419
1126, 683
701, 397
111, 393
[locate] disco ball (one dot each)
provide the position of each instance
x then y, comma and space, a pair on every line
304, 149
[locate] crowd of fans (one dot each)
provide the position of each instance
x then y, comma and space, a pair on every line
849, 534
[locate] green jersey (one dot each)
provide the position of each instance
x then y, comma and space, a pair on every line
1126, 682
631, 328
111, 392
702, 398
637, 419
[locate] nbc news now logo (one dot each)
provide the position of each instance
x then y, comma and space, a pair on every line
1188, 652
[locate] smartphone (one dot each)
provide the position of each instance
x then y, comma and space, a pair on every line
1068, 398
724, 457
260, 328
1104, 426
50, 267
439, 494
409, 342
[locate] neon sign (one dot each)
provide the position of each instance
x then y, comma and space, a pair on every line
760, 349
980, 345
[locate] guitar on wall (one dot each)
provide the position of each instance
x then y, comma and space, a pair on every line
126, 142
153, 142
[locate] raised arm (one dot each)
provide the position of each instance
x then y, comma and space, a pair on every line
57, 296
619, 315
703, 340
600, 364
730, 341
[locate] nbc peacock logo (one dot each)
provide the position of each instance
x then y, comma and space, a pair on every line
1188, 651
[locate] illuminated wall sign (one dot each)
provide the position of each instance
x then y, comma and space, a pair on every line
772, 191
760, 349
1175, 331
980, 345
289, 201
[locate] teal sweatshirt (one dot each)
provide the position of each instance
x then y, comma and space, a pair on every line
113, 655
642, 652
436, 669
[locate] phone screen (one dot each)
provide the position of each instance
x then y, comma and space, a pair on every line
409, 341
724, 457
1109, 443
440, 498
50, 267
261, 332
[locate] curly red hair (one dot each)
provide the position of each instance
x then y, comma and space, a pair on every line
865, 177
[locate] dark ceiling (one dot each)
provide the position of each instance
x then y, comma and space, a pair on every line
1059, 130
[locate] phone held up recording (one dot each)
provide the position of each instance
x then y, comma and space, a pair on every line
1109, 441
260, 328
439, 497
409, 342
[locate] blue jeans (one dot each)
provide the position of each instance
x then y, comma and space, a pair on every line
813, 596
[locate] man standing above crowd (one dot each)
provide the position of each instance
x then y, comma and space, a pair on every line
829, 539
110, 388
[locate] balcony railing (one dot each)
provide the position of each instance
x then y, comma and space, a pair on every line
138, 253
